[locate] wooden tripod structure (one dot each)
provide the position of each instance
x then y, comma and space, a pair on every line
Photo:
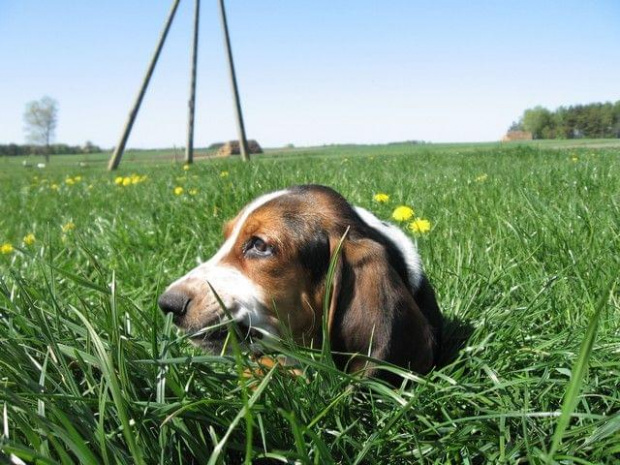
115, 160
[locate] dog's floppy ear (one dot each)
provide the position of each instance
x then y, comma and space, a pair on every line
373, 312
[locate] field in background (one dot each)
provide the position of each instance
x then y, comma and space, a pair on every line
523, 252
177, 155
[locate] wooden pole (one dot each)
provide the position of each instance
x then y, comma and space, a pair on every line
243, 143
189, 149
115, 160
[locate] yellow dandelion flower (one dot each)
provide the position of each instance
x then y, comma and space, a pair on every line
574, 159
54, 187
77, 178
420, 226
178, 190
70, 226
135, 179
482, 178
402, 213
186, 167
193, 191
126, 181
29, 239
381, 197
6, 248
118, 180
224, 174
69, 181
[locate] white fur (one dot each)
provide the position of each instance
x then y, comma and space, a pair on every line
252, 207
401, 241
238, 293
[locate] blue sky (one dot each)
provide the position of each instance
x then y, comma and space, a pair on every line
310, 72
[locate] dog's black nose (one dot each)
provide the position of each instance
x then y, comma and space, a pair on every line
175, 302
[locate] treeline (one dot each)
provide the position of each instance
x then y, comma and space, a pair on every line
14, 150
407, 142
594, 120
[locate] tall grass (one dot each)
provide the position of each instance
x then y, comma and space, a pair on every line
523, 254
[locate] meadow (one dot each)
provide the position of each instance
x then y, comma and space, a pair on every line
522, 251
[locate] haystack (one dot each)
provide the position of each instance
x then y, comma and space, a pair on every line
232, 148
517, 135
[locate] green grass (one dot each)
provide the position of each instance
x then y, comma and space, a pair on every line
523, 254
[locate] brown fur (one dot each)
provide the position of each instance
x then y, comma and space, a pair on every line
373, 311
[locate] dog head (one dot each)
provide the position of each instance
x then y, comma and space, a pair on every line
270, 274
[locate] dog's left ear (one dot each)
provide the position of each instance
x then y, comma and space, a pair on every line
374, 313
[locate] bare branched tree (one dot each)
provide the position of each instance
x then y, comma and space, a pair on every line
41, 117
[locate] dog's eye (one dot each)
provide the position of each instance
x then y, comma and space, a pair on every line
258, 247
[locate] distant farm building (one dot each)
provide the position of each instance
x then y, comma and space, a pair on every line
232, 148
517, 135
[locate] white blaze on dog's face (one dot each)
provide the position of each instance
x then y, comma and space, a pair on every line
260, 273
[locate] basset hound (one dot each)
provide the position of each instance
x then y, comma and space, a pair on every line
270, 274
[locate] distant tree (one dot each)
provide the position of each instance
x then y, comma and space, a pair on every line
89, 147
538, 121
562, 122
607, 120
590, 121
616, 117
41, 118
516, 126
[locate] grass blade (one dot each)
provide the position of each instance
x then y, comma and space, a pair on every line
217, 450
108, 371
579, 371
329, 288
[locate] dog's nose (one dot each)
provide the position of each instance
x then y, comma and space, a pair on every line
174, 301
